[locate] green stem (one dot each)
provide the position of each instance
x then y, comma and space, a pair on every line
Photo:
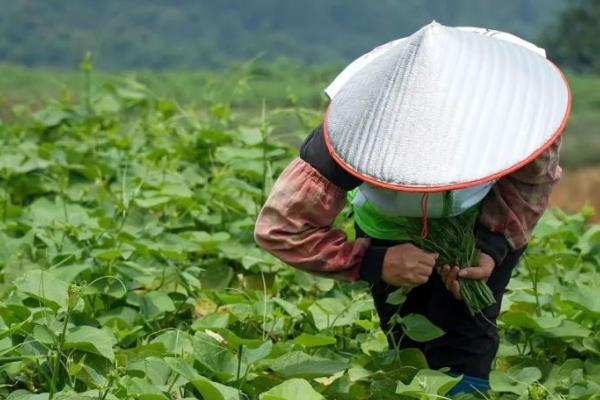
172, 383
59, 350
264, 133
108, 386
239, 366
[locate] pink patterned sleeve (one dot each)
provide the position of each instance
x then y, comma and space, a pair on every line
518, 200
295, 225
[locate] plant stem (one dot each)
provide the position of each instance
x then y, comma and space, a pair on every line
59, 349
239, 366
264, 133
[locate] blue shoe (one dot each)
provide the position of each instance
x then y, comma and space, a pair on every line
470, 384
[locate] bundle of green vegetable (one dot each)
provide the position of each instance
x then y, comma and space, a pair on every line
454, 240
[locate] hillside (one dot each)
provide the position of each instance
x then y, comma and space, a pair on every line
212, 33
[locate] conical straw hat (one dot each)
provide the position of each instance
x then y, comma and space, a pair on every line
445, 108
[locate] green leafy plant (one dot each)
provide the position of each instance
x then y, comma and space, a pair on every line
128, 270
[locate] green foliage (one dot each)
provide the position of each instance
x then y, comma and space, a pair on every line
453, 239
573, 41
128, 271
284, 84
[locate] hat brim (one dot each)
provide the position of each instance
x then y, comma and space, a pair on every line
347, 143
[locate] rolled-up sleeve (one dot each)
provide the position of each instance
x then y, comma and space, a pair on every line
295, 225
517, 201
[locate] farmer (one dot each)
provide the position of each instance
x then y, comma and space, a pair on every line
443, 122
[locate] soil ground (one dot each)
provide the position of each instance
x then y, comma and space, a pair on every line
576, 187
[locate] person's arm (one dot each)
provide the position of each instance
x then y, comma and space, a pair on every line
515, 204
295, 225
295, 222
508, 215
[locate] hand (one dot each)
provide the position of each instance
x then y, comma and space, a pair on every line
406, 265
482, 271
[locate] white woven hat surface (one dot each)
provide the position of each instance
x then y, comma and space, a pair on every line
445, 108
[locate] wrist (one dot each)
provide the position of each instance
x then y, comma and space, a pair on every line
492, 244
372, 264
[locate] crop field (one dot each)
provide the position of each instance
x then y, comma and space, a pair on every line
128, 269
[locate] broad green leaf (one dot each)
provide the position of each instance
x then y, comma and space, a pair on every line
140, 388
227, 154
107, 286
308, 340
213, 390
568, 329
123, 317
215, 320
216, 277
331, 312
5, 343
214, 135
43, 286
582, 297
176, 189
358, 373
420, 329
106, 104
91, 340
154, 369
234, 341
68, 273
590, 240
175, 341
42, 334
133, 92
292, 389
155, 304
49, 117
152, 201
43, 212
397, 297
25, 395
252, 355
519, 319
374, 342
144, 351
217, 359
18, 163
298, 364
515, 380
413, 358
250, 136
209, 389
428, 384
288, 307
89, 395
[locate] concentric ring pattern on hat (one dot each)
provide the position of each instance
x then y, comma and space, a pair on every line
445, 108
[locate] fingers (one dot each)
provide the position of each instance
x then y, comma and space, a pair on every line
444, 272
480, 272
422, 274
455, 289
427, 259
485, 260
449, 277
421, 279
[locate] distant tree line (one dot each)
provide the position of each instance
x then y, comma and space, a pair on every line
574, 41
162, 34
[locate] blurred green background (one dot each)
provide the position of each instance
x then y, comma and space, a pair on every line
242, 52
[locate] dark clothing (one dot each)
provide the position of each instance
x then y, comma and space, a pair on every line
295, 225
314, 151
470, 343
